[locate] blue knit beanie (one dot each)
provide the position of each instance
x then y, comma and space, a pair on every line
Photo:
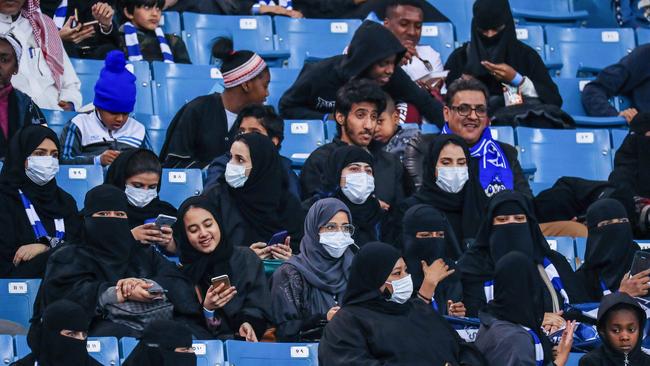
115, 89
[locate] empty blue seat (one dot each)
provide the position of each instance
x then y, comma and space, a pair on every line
503, 134
533, 36
313, 38
558, 153
57, 118
429, 128
440, 36
104, 349
547, 11
460, 14
563, 245
586, 51
171, 23
271, 354
209, 353
177, 84
643, 35
22, 348
571, 90
281, 80
17, 298
6, 349
79, 179
157, 139
301, 138
180, 184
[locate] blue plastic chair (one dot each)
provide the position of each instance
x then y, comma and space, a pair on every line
313, 39
157, 139
17, 297
281, 80
440, 36
127, 345
547, 11
271, 354
429, 128
581, 249
170, 22
330, 130
22, 348
57, 118
586, 51
565, 246
460, 14
104, 349
209, 353
503, 134
571, 90
532, 35
179, 184
643, 35
617, 139
77, 180
557, 153
574, 358
301, 138
6, 349
152, 121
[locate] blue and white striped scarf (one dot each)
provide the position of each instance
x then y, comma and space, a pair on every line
539, 350
287, 4
133, 44
37, 225
60, 13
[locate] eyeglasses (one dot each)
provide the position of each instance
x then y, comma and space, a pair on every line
332, 228
465, 110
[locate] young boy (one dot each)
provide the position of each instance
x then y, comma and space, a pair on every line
143, 39
390, 132
621, 323
98, 137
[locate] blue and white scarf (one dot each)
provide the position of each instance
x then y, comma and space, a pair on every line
287, 4
555, 279
60, 13
133, 44
37, 225
604, 288
488, 288
539, 350
495, 174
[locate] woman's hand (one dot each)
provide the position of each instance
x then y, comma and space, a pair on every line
456, 309
75, 35
246, 331
167, 239
433, 275
103, 13
262, 250
126, 286
282, 251
501, 72
332, 312
217, 298
553, 322
27, 252
148, 233
564, 347
636, 285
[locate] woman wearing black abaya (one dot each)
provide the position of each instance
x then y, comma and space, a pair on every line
495, 56
111, 268
510, 225
610, 251
254, 192
427, 236
380, 324
450, 185
138, 172
163, 343
307, 289
58, 338
241, 310
28, 176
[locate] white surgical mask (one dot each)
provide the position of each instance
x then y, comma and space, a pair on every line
41, 169
336, 243
358, 186
235, 175
452, 180
402, 290
140, 197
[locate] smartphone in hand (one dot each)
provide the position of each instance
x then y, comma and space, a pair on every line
216, 281
278, 238
640, 263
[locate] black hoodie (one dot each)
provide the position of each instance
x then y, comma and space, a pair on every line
314, 92
606, 355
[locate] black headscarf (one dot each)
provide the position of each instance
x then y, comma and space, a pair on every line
468, 203
117, 176
264, 200
50, 201
157, 345
610, 248
370, 269
201, 267
517, 299
49, 347
632, 160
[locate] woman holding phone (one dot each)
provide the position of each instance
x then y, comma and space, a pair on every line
138, 173
229, 279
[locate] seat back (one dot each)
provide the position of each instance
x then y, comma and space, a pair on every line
571, 90
460, 14
17, 297
22, 348
565, 246
271, 354
301, 138
57, 118
440, 36
179, 184
6, 349
79, 179
209, 353
547, 12
617, 139
503, 134
152, 121
104, 349
171, 23
643, 35
281, 80
127, 345
157, 139
532, 35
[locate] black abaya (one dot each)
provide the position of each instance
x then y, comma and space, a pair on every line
158, 344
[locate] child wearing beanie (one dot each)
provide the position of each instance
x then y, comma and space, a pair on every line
98, 137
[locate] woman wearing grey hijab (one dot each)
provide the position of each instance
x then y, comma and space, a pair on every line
306, 290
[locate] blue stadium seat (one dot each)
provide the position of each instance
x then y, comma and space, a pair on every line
429, 128
177, 84
271, 354
127, 345
643, 35
157, 139
17, 298
460, 14
253, 33
1, 165
571, 90
313, 39
180, 184
537, 187
58, 129
547, 11
504, 134
330, 130
171, 23
532, 35
574, 359
583, 51
79, 179
281, 80
440, 36
88, 73
581, 249
6, 349
209, 353
563, 245
301, 138
104, 349
549, 151
617, 138
22, 348
57, 118
152, 121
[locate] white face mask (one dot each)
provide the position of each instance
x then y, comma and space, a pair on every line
41, 169
140, 197
235, 175
336, 243
358, 187
452, 180
402, 290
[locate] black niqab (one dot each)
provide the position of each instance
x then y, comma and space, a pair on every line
158, 343
632, 160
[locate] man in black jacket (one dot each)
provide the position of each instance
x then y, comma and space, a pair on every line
374, 53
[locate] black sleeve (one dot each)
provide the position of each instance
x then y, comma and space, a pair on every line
180, 142
311, 173
296, 101
595, 96
473, 295
520, 181
401, 87
344, 343
590, 359
256, 307
455, 64
180, 290
626, 167
324, 8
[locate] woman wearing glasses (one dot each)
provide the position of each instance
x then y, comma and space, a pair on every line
306, 290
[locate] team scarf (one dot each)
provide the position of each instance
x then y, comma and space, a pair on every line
604, 288
287, 4
495, 174
60, 14
539, 350
133, 44
47, 38
37, 225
